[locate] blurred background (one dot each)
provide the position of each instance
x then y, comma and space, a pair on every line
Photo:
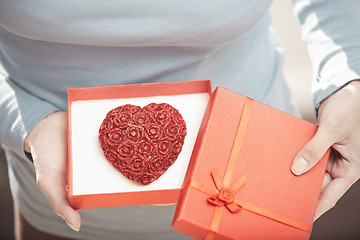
342, 222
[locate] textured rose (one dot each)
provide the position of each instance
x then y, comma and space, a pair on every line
130, 174
123, 161
141, 118
171, 157
126, 150
177, 147
118, 161
146, 178
134, 133
105, 127
157, 165
171, 131
226, 195
104, 146
112, 156
151, 107
153, 131
176, 116
182, 132
167, 107
122, 119
145, 148
164, 146
137, 164
112, 113
114, 137
132, 109
161, 117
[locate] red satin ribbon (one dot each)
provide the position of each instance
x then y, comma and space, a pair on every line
223, 195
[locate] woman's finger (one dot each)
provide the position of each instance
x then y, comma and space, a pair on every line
331, 194
312, 152
57, 195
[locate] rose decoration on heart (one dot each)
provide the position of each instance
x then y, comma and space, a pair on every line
142, 143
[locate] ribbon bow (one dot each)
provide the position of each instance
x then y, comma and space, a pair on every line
223, 195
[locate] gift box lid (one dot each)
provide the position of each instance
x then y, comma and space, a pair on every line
248, 147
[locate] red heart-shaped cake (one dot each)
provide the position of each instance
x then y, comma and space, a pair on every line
142, 143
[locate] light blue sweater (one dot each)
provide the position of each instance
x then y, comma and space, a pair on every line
47, 47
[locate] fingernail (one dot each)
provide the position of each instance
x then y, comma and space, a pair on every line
72, 227
299, 166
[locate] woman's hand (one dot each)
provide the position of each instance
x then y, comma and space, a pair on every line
48, 145
339, 128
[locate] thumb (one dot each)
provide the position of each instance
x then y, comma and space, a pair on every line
57, 196
312, 152
56, 193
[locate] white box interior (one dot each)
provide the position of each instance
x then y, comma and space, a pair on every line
93, 174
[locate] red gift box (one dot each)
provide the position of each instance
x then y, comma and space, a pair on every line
93, 182
239, 184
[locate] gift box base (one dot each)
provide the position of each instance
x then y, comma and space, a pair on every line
93, 181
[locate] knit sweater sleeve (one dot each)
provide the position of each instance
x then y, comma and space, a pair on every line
331, 31
19, 113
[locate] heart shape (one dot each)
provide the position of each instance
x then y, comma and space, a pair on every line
142, 143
